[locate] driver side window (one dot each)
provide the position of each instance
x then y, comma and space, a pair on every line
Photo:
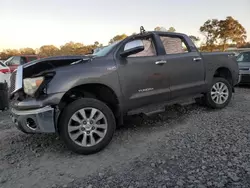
147, 43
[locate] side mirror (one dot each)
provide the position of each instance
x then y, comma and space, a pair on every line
132, 47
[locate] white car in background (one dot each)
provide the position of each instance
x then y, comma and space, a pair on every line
4, 73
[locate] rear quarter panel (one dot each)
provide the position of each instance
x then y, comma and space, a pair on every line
215, 60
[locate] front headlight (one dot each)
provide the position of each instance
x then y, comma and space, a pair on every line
32, 84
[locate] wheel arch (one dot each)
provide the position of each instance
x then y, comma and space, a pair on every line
99, 91
226, 73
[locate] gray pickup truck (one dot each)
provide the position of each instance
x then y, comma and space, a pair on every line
84, 98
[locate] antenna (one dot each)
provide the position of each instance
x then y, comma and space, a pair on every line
142, 30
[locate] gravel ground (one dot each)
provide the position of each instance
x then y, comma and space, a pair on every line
184, 147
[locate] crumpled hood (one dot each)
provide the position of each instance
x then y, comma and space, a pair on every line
50, 63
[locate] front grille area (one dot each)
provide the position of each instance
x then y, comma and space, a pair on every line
13, 81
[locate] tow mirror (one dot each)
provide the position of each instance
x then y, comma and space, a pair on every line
132, 47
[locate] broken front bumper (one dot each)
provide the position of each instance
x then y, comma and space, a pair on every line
39, 120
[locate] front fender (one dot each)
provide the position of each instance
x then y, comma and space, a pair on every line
69, 77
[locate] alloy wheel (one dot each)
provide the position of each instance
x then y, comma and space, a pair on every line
219, 93
87, 127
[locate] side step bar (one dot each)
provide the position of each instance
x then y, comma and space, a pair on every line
159, 108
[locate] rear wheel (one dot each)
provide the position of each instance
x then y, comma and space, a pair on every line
87, 126
219, 94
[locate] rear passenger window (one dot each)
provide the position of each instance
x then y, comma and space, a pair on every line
174, 45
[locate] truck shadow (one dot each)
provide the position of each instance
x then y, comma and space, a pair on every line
246, 86
134, 126
174, 112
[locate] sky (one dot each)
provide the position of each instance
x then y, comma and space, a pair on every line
33, 23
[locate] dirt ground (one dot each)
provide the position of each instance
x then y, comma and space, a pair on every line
188, 146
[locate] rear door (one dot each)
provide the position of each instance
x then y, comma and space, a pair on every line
141, 78
184, 66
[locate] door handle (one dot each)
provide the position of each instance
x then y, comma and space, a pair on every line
160, 62
197, 59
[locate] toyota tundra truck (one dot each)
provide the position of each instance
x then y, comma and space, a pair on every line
83, 98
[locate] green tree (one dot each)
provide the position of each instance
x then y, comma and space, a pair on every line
97, 44
4, 56
11, 52
158, 28
48, 50
171, 29
117, 38
71, 48
222, 33
210, 29
194, 39
6, 53
27, 51
246, 45
231, 31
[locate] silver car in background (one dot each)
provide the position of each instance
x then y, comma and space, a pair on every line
243, 60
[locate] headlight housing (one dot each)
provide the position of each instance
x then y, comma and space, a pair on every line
31, 85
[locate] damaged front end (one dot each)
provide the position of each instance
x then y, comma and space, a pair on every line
32, 109
26, 113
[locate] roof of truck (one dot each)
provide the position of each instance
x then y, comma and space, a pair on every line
160, 32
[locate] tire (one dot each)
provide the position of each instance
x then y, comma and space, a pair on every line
71, 113
208, 97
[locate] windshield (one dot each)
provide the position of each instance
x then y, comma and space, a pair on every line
105, 50
244, 57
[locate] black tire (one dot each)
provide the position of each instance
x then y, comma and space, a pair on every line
71, 109
208, 98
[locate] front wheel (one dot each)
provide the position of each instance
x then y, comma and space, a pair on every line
219, 94
87, 126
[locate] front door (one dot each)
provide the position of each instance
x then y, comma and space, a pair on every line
141, 76
185, 67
